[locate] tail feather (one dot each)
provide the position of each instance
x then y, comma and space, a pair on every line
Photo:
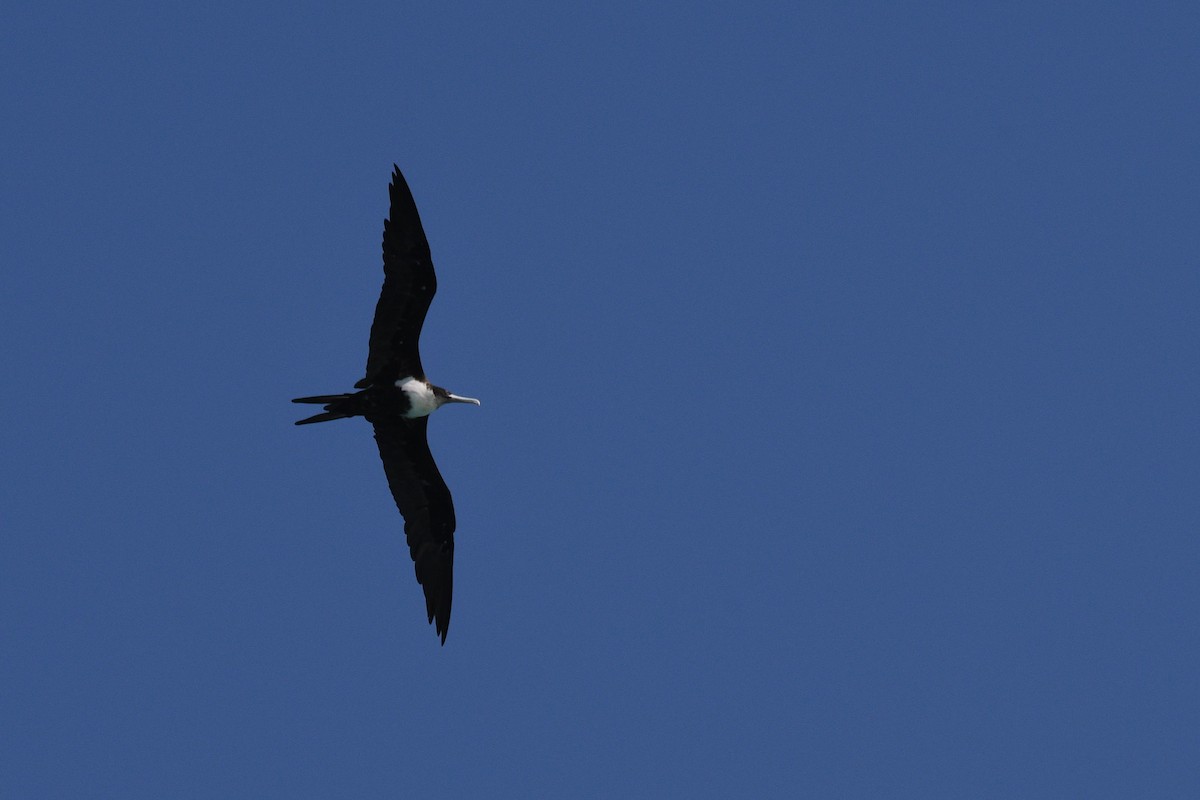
336, 407
322, 398
328, 415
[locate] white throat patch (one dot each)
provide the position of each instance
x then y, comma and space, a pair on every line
421, 399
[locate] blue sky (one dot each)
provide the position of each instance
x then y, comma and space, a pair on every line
839, 378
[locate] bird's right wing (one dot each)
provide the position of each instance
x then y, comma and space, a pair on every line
409, 284
428, 511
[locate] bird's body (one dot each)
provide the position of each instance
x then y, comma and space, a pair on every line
396, 399
408, 397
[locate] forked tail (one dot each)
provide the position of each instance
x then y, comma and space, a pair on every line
336, 407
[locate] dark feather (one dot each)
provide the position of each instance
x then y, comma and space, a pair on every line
428, 511
408, 288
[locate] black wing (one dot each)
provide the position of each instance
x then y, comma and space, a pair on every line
408, 288
424, 501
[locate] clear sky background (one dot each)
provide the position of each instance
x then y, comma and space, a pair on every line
839, 375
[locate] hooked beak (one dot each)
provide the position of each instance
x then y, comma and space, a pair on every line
453, 398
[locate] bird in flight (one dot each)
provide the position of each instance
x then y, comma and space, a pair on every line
397, 399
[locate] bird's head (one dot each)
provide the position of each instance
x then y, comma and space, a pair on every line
444, 397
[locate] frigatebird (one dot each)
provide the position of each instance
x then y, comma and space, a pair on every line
397, 399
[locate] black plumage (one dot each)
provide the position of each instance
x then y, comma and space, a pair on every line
409, 284
395, 397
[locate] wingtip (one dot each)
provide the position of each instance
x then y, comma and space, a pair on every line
440, 630
439, 619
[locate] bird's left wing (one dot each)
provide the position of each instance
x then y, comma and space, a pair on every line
428, 511
409, 284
